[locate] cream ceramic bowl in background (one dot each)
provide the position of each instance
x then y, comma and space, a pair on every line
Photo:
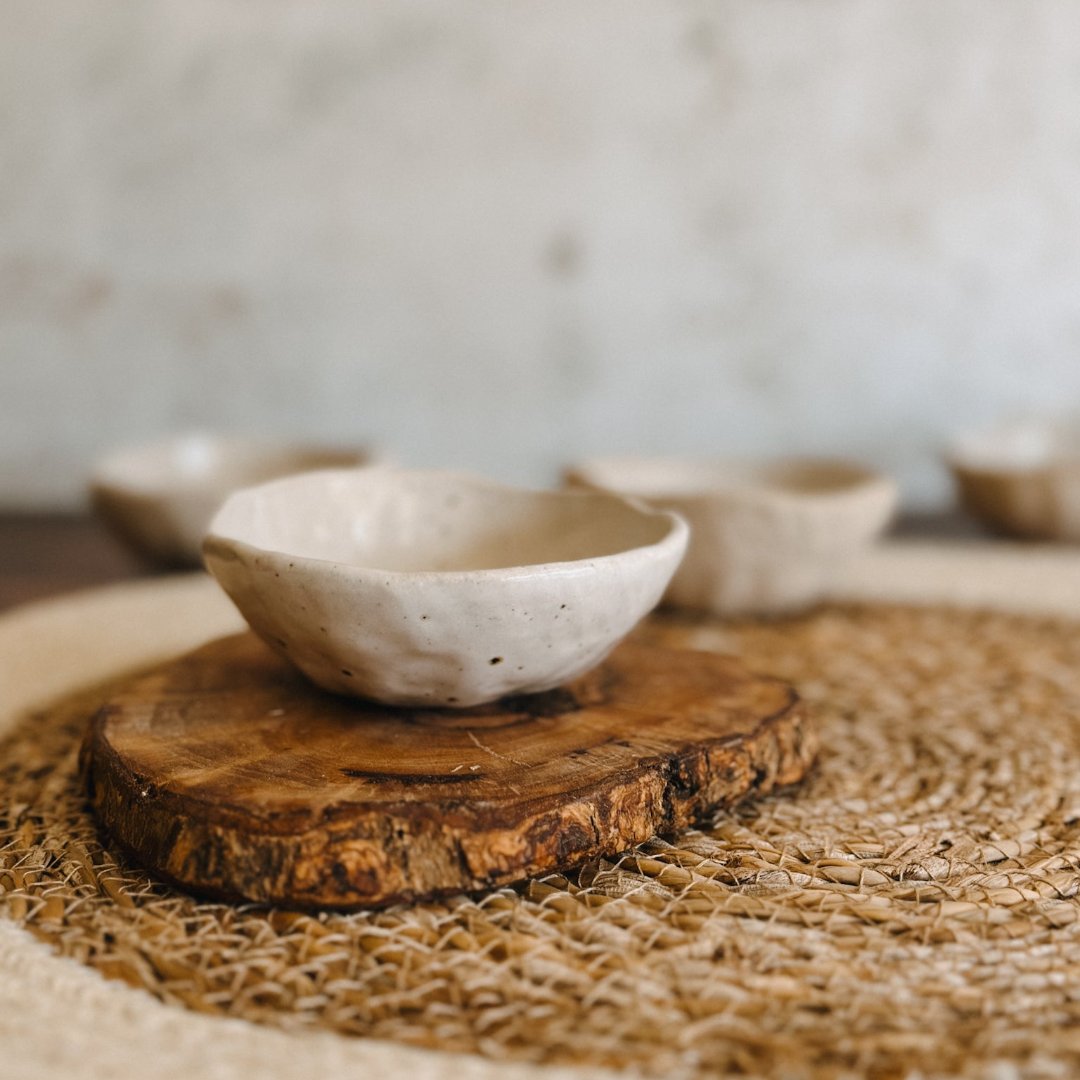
766, 537
1022, 478
159, 498
435, 588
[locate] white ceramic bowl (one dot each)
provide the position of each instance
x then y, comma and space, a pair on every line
434, 588
766, 537
159, 498
1022, 478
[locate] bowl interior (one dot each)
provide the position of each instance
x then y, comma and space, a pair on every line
659, 478
1018, 447
426, 521
195, 461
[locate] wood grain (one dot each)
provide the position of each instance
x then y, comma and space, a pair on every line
228, 773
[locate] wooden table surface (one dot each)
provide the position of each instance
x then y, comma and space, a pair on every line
44, 554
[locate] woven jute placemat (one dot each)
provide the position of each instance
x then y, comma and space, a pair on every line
909, 910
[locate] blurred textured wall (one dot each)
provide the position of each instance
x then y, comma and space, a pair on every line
501, 235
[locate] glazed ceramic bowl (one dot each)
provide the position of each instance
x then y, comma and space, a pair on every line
159, 498
1022, 479
433, 588
766, 537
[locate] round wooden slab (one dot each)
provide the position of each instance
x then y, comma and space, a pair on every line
226, 772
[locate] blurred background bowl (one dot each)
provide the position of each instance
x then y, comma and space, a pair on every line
765, 537
1022, 478
158, 498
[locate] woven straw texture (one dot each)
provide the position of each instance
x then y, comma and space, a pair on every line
911, 909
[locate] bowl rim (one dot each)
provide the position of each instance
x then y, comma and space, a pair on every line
865, 482
959, 457
107, 474
673, 540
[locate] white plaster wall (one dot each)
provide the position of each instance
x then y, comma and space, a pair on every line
501, 235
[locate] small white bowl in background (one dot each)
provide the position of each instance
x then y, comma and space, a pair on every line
159, 498
1021, 478
766, 537
428, 588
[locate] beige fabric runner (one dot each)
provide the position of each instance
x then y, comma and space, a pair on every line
912, 908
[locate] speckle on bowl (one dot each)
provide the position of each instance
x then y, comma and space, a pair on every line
435, 588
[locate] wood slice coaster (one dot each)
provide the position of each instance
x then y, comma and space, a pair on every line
228, 773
